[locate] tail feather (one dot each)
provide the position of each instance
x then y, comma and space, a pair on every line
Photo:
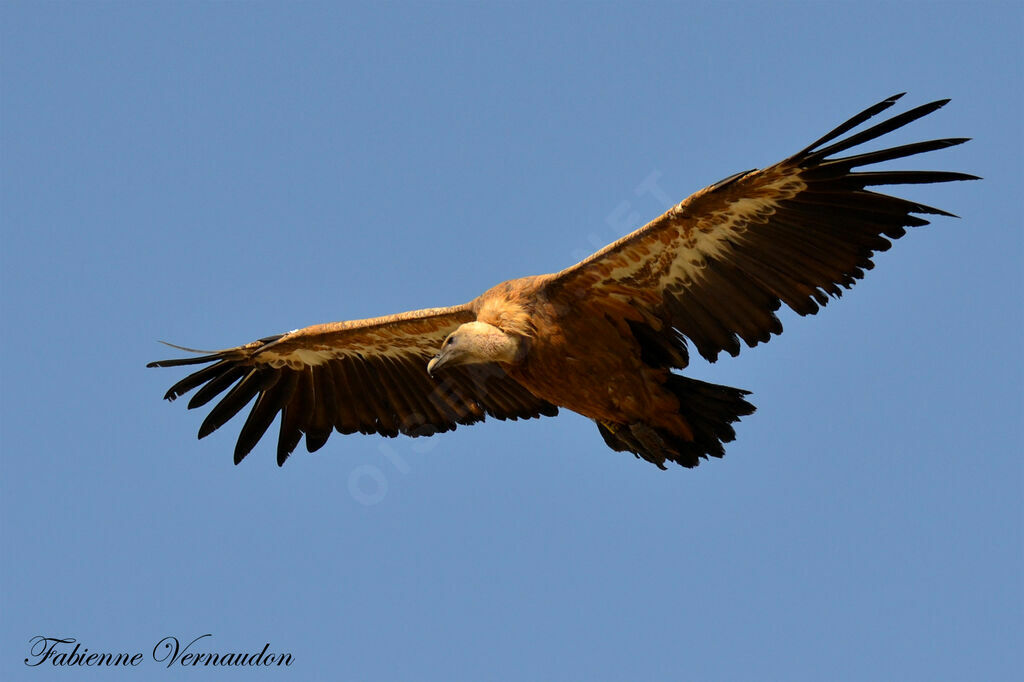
710, 409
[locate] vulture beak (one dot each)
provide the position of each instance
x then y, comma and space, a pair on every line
436, 363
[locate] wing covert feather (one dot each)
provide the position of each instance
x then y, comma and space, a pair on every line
717, 266
362, 375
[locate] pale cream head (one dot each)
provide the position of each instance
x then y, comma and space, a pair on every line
474, 343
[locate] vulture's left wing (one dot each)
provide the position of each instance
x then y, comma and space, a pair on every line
715, 267
365, 375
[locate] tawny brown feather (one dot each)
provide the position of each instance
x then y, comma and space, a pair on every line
603, 336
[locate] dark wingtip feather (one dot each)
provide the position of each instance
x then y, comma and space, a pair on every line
216, 386
237, 398
873, 178
287, 441
178, 362
206, 428
816, 153
204, 375
852, 123
276, 391
316, 440
844, 163
205, 356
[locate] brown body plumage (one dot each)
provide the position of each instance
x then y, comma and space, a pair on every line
602, 337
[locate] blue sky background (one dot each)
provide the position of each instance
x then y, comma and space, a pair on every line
213, 173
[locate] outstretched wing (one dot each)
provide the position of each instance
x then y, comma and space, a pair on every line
365, 375
714, 268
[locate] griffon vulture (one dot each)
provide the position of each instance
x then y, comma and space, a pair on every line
602, 337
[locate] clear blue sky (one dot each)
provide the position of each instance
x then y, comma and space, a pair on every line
210, 174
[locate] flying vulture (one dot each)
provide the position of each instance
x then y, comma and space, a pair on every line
602, 337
